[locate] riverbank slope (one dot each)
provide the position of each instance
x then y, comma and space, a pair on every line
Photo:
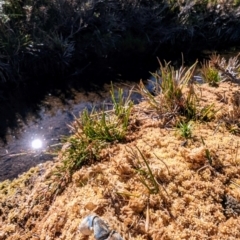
159, 183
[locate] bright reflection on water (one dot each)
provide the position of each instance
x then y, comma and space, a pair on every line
38, 138
37, 144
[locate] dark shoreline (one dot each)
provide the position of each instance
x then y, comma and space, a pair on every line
43, 48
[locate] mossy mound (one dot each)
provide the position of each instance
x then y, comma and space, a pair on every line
154, 185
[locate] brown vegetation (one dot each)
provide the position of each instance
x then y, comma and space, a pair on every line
154, 185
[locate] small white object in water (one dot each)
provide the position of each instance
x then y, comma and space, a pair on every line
36, 143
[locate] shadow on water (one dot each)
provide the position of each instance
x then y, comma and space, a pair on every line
19, 100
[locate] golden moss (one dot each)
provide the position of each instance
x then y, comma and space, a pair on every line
193, 182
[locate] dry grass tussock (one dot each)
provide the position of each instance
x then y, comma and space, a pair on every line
155, 184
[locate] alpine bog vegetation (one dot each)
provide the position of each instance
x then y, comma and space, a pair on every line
147, 185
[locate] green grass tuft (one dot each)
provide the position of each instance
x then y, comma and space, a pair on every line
108, 125
210, 74
145, 173
92, 131
185, 129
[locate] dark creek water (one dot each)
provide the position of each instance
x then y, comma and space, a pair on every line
37, 135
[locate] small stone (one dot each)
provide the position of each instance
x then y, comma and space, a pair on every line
86, 226
114, 236
100, 228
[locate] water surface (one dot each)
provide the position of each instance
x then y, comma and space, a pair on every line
47, 125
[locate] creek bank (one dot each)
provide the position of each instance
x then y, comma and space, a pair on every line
28, 117
195, 198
